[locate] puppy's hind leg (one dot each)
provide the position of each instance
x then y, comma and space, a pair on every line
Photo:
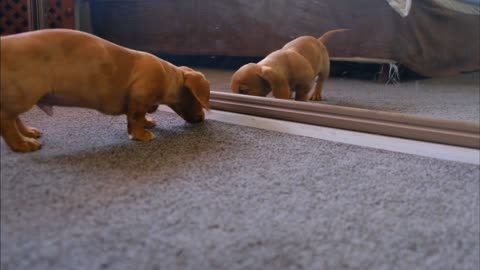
27, 131
12, 136
149, 123
323, 74
317, 92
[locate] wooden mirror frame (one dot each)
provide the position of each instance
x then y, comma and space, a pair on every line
465, 134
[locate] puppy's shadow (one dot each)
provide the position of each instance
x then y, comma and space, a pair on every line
174, 148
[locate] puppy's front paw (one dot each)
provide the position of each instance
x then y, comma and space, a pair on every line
142, 135
149, 123
27, 145
31, 132
316, 96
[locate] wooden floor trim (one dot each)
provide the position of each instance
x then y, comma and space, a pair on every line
377, 122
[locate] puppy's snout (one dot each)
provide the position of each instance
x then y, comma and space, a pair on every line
198, 118
194, 119
243, 91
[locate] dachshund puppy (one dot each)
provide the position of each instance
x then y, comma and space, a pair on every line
59, 67
290, 70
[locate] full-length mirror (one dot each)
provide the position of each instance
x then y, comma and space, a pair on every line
413, 57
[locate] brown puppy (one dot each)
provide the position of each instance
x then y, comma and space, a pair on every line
288, 70
72, 68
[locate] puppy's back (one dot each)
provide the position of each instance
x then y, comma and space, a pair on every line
55, 43
71, 63
310, 48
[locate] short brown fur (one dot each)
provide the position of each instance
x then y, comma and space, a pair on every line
290, 70
72, 68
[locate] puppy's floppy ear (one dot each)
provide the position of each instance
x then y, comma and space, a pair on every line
277, 83
186, 69
198, 86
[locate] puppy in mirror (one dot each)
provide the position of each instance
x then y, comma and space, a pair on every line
288, 72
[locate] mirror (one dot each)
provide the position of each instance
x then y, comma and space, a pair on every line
452, 98
413, 57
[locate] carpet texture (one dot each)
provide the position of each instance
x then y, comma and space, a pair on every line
219, 196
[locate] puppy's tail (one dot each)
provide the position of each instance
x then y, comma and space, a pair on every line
327, 35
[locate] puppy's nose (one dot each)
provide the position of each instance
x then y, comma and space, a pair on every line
197, 119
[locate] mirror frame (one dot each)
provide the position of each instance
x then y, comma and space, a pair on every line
458, 133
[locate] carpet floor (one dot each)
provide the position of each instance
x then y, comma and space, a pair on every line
220, 196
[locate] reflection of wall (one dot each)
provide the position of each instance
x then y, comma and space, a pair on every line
13, 17
60, 14
430, 40
82, 16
